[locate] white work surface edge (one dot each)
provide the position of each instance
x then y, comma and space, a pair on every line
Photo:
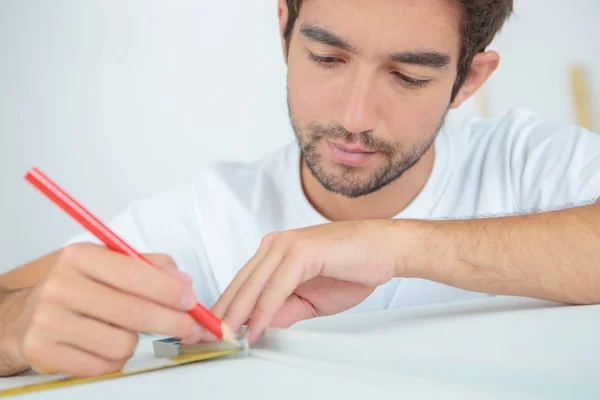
493, 348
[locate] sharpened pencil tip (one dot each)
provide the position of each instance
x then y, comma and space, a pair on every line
230, 337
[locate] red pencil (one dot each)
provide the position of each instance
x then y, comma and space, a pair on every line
45, 185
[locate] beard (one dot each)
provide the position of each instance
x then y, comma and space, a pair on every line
346, 180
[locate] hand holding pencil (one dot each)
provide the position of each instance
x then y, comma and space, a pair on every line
83, 318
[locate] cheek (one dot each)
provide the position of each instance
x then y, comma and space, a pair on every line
415, 116
311, 97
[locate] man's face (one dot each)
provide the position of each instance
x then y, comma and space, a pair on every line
369, 86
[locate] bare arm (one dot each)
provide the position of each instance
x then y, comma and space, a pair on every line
553, 255
29, 274
11, 305
332, 267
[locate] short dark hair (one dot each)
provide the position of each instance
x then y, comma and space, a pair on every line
482, 20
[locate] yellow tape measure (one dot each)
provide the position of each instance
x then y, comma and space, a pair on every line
154, 365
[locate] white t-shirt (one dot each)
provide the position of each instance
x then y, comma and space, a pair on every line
512, 165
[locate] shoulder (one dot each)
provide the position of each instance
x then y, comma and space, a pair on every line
530, 162
522, 131
547, 164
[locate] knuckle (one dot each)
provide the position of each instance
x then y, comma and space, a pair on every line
269, 239
32, 348
72, 252
68, 253
41, 320
54, 291
69, 257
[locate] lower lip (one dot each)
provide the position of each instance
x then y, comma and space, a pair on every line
349, 158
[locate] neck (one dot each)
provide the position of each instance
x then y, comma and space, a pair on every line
385, 203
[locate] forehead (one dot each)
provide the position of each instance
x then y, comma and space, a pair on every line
390, 25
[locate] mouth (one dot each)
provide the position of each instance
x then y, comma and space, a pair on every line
350, 155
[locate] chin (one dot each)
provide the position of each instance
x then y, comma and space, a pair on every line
343, 181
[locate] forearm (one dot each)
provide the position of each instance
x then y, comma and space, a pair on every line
11, 304
554, 255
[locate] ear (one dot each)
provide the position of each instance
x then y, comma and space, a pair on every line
282, 15
482, 67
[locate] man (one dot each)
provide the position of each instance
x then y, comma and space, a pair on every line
379, 206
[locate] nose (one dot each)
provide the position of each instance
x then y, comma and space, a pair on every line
357, 105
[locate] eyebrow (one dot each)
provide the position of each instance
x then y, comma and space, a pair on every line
322, 35
431, 59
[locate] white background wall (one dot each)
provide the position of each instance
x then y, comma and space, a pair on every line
542, 41
118, 99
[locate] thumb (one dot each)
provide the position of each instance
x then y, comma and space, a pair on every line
295, 309
167, 264
161, 261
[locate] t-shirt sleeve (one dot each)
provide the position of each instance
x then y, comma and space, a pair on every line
166, 223
553, 166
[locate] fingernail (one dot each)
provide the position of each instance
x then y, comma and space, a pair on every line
189, 300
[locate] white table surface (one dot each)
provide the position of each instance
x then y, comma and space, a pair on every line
495, 348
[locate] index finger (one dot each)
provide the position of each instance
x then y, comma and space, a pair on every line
132, 276
222, 304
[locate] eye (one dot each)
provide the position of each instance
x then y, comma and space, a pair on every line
326, 62
411, 82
